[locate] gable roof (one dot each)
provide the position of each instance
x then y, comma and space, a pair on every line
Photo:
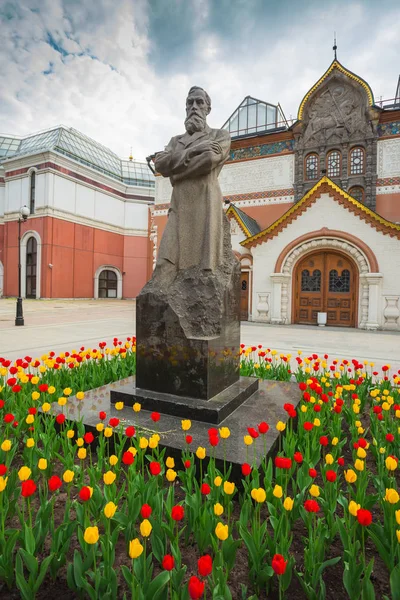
324, 186
335, 65
249, 226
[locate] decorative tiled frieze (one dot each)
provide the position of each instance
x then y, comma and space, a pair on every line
390, 189
161, 213
265, 201
385, 129
262, 150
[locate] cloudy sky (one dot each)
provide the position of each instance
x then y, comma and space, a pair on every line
119, 70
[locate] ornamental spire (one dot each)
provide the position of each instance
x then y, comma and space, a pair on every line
334, 45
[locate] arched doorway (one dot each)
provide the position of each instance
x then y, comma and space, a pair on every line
325, 281
108, 284
31, 268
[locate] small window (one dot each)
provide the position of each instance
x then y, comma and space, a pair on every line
357, 193
311, 283
334, 164
312, 166
108, 284
357, 161
339, 284
32, 193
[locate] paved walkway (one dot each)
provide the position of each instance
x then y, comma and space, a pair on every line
61, 325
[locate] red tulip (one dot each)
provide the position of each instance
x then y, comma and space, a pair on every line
279, 564
155, 468
155, 416
298, 457
195, 588
146, 511
214, 440
212, 431
308, 426
3, 470
32, 410
340, 461
364, 517
205, 489
28, 488
189, 439
187, 464
177, 513
128, 458
312, 473
168, 562
253, 432
389, 437
60, 418
311, 506
283, 463
54, 483
130, 431
263, 427
323, 440
88, 437
246, 469
102, 415
114, 422
330, 476
204, 565
43, 387
84, 494
8, 418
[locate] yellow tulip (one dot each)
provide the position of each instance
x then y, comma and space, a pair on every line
108, 431
30, 419
35, 380
3, 483
398, 535
201, 452
391, 463
350, 476
224, 432
46, 407
24, 473
303, 408
153, 441
51, 389
353, 508
100, 427
248, 440
70, 434
397, 514
137, 407
35, 395
145, 528
229, 487
329, 460
314, 491
221, 531
171, 475
80, 442
277, 491
109, 477
113, 460
62, 401
143, 443
30, 443
391, 496
132, 450
68, 476
91, 535
119, 405
42, 464
170, 463
67, 392
82, 453
361, 453
359, 465
110, 509
186, 424
135, 548
335, 441
218, 481
259, 495
219, 509
288, 503
280, 426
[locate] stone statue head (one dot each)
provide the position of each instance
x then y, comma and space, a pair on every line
198, 106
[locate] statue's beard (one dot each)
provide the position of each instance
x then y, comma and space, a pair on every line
195, 122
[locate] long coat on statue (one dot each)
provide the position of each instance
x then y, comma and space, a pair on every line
193, 235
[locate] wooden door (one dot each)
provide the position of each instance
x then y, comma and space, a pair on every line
309, 289
325, 282
244, 296
340, 286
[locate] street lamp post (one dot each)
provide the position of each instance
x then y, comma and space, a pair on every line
23, 215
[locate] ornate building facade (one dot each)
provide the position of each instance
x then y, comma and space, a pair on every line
314, 206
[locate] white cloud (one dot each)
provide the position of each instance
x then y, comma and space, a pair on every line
108, 86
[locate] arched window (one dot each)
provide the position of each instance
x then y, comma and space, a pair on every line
32, 193
333, 163
357, 192
31, 267
357, 161
108, 284
312, 166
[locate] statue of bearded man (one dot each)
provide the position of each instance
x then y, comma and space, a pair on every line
194, 234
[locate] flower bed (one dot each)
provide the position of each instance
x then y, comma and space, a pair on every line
320, 520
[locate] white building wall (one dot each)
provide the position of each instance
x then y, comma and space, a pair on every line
326, 212
2, 200
388, 158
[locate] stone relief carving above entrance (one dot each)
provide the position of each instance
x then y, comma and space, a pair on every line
337, 114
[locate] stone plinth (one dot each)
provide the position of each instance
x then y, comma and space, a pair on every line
188, 330
212, 411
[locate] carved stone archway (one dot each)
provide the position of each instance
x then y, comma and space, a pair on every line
369, 282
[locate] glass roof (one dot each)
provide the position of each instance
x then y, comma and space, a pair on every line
254, 116
76, 145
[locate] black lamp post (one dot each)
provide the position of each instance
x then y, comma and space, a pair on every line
23, 215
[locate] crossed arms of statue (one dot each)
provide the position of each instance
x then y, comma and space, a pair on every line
179, 162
